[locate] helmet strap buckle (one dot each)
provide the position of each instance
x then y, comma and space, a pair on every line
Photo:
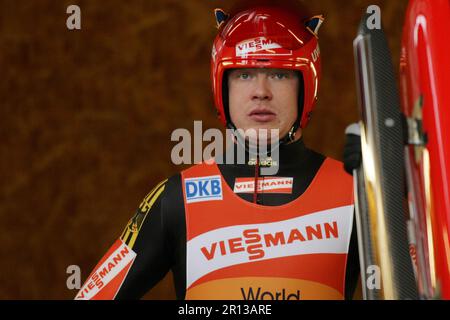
291, 134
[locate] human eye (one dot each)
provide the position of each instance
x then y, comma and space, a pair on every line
279, 75
244, 75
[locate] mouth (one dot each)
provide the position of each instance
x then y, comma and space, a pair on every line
262, 115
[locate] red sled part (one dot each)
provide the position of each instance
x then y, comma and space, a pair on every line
425, 97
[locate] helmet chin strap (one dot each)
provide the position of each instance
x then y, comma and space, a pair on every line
290, 136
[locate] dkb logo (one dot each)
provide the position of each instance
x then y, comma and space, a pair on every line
203, 189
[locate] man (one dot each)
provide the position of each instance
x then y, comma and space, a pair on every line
250, 235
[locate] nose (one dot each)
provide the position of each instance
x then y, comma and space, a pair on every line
261, 90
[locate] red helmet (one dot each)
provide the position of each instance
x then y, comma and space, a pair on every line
267, 36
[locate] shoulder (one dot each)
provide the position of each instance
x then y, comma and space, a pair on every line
336, 174
335, 166
151, 197
170, 190
164, 189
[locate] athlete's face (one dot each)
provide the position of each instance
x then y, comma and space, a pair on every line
263, 99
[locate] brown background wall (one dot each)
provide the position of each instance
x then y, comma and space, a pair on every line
86, 118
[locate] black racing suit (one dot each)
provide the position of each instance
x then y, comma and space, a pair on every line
161, 242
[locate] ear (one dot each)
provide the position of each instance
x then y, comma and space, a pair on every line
313, 24
221, 17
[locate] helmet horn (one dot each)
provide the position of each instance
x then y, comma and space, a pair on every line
313, 24
221, 17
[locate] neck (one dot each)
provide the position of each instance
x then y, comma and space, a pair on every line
292, 154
